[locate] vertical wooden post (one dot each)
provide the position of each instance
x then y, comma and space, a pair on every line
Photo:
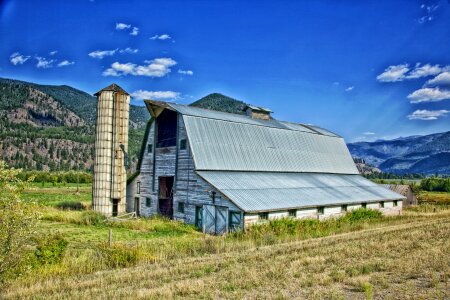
110, 237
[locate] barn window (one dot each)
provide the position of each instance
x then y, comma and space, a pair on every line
395, 203
293, 213
199, 216
320, 210
181, 207
138, 187
264, 216
382, 204
344, 208
148, 202
150, 148
183, 144
364, 205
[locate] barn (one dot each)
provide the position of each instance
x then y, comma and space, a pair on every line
405, 190
223, 171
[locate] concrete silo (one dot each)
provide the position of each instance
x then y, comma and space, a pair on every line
111, 147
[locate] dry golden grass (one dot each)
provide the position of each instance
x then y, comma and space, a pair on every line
398, 261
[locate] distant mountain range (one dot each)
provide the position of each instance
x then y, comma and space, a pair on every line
427, 154
52, 128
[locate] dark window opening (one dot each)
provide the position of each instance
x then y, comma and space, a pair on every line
395, 203
167, 129
320, 210
138, 187
148, 202
181, 207
264, 216
115, 207
183, 144
364, 205
199, 217
382, 204
344, 208
293, 213
150, 148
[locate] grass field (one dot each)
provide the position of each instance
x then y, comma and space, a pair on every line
398, 257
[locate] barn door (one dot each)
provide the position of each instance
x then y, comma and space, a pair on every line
215, 219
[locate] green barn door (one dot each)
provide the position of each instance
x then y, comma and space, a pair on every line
215, 219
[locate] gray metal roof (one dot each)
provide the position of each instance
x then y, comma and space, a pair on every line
264, 191
221, 144
244, 119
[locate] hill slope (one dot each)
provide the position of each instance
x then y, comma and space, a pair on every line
428, 154
220, 102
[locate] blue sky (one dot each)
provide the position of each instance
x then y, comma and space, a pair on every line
364, 69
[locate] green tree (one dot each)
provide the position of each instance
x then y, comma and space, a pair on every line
17, 223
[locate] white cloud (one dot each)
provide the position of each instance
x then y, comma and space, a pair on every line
429, 95
166, 95
53, 52
18, 59
129, 50
441, 79
424, 71
102, 53
158, 67
163, 37
393, 73
428, 115
369, 133
186, 72
135, 31
122, 26
65, 63
44, 63
349, 88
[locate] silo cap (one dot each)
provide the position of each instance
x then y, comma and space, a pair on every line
112, 88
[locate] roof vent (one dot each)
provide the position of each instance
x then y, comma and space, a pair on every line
256, 112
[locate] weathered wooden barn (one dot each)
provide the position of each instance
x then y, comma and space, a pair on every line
223, 171
405, 190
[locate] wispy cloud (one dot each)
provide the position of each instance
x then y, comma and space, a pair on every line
369, 133
393, 73
428, 115
429, 95
163, 95
441, 79
53, 52
158, 67
65, 63
44, 63
129, 50
186, 72
428, 13
18, 59
162, 37
122, 26
350, 88
134, 31
102, 53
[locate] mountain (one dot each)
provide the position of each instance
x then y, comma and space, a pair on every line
427, 154
221, 102
52, 127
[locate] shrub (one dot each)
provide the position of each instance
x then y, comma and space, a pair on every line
71, 205
91, 217
50, 249
118, 255
361, 214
